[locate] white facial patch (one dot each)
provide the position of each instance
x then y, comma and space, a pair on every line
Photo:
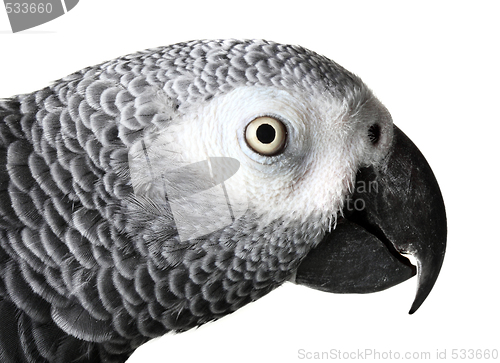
202, 165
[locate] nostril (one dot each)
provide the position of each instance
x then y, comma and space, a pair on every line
374, 134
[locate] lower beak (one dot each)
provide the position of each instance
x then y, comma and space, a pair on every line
396, 210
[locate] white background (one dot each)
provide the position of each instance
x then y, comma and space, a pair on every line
435, 65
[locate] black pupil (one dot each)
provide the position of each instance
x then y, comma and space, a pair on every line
266, 133
374, 133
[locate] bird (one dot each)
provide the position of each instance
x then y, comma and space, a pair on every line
166, 189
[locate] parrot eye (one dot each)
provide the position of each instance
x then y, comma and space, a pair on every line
266, 136
374, 134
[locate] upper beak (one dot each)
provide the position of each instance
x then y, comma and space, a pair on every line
396, 210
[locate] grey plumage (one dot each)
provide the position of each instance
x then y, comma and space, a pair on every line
88, 272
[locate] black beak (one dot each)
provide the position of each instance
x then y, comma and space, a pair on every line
396, 210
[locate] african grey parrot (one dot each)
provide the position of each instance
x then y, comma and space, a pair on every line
165, 189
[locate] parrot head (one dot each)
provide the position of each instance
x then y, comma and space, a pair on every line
311, 148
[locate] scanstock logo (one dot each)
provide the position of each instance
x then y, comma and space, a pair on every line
30, 13
202, 196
